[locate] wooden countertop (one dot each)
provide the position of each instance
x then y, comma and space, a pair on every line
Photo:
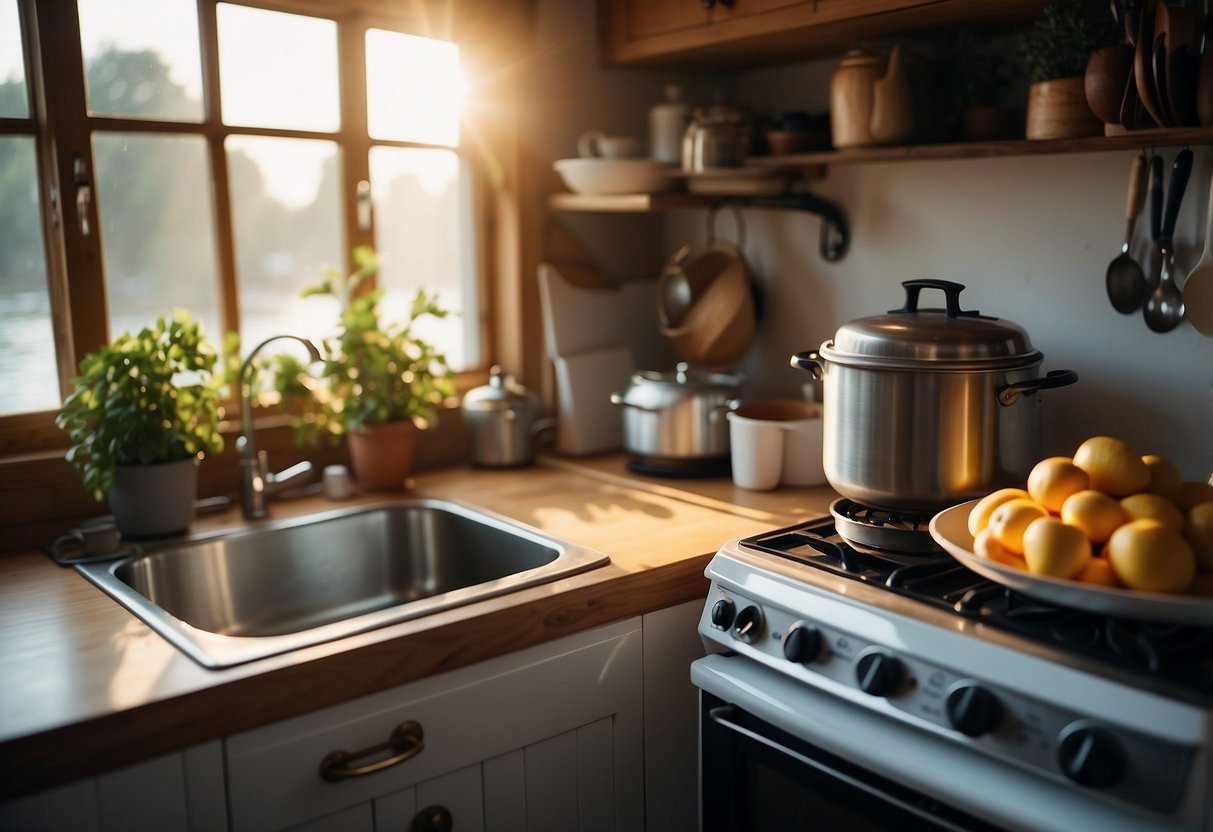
87, 687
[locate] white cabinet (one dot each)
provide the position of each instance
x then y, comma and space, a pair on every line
547, 738
180, 792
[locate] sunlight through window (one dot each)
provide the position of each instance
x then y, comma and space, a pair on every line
414, 88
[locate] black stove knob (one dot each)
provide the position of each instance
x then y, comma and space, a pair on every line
878, 673
722, 613
802, 643
972, 710
748, 626
1090, 756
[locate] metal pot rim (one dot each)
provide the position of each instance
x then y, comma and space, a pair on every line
942, 365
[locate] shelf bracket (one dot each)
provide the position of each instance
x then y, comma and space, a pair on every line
835, 231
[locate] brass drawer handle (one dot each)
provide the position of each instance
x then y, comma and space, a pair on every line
406, 742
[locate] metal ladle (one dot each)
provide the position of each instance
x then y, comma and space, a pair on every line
1125, 280
1164, 307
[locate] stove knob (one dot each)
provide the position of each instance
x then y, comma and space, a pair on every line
722, 614
802, 643
972, 710
878, 673
748, 626
1090, 756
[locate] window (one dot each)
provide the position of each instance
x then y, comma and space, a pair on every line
222, 157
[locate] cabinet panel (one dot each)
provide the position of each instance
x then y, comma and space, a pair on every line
468, 716
354, 819
595, 779
551, 783
73, 806
460, 794
646, 18
505, 793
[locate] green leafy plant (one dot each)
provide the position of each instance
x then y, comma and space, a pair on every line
1063, 37
143, 399
374, 372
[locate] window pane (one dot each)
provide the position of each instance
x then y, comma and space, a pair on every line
423, 235
14, 101
278, 70
414, 89
28, 374
157, 229
141, 58
286, 217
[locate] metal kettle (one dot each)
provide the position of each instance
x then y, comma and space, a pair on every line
503, 419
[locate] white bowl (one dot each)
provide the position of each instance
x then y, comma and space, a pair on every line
615, 176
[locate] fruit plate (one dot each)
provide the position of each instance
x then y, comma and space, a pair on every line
950, 528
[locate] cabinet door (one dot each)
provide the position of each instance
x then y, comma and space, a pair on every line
455, 799
646, 18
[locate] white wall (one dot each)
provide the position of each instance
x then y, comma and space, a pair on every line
1030, 237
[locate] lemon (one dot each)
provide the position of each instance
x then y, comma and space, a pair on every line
1165, 479
1152, 507
1050, 547
1151, 556
1098, 572
987, 547
1009, 520
979, 517
1113, 465
1194, 493
1097, 514
1052, 480
1198, 531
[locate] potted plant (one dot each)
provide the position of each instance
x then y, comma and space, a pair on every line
981, 79
144, 410
381, 383
1055, 54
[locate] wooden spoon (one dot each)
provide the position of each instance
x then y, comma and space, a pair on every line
1198, 288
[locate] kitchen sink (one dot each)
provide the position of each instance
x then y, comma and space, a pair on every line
247, 594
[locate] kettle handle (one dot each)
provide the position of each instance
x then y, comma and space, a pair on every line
810, 361
1009, 393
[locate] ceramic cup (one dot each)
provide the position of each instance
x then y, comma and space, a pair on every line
337, 482
92, 538
776, 441
597, 145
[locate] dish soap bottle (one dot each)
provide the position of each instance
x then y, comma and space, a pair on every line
667, 124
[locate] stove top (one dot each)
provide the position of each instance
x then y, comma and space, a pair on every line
1176, 655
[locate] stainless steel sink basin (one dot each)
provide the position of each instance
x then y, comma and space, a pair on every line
247, 594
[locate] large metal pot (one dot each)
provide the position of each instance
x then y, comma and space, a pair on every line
503, 418
926, 408
673, 422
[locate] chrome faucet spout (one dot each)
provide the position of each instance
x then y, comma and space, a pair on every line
256, 481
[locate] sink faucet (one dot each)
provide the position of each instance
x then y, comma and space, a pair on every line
256, 481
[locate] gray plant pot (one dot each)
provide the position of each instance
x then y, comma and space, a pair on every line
154, 500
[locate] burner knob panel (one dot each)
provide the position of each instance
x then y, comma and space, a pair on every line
878, 673
748, 626
1090, 756
802, 643
722, 613
973, 710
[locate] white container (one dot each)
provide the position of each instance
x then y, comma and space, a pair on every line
774, 442
667, 123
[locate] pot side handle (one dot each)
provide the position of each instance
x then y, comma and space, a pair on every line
1008, 394
617, 400
810, 361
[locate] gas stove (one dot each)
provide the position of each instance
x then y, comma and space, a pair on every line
1076, 720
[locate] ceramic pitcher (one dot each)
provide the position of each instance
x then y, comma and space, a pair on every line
870, 101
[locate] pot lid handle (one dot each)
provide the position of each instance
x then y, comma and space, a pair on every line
951, 293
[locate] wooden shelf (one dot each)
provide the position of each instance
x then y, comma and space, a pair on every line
628, 203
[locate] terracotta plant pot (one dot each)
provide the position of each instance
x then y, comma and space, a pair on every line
1058, 109
382, 455
154, 500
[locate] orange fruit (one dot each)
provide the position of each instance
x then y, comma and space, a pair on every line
1097, 514
1198, 531
984, 545
1052, 480
1098, 572
979, 516
1145, 506
1113, 465
1009, 520
1165, 479
1194, 493
1151, 556
1050, 547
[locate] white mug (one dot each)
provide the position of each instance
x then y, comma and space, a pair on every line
595, 144
337, 482
776, 441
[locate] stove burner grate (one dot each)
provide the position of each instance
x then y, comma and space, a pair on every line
884, 529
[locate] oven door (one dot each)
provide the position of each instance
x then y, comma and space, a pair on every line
755, 776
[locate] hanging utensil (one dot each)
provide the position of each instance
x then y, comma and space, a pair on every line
1198, 288
1156, 191
1125, 281
1164, 307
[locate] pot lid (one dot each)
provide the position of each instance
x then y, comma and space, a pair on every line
685, 377
949, 338
501, 393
